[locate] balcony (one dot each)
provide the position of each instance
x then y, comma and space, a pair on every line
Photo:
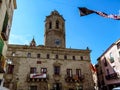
36, 77
57, 77
81, 77
69, 78
8, 77
112, 76
74, 78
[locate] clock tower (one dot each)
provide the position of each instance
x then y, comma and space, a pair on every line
54, 30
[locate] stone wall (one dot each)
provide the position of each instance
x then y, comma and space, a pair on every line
23, 63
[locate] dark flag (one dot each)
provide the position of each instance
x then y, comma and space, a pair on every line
84, 11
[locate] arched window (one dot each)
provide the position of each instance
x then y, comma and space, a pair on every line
62, 25
50, 25
73, 57
65, 56
48, 56
81, 57
56, 56
57, 24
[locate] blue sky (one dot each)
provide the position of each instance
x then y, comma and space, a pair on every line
91, 31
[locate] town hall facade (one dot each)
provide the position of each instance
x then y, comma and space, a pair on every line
51, 66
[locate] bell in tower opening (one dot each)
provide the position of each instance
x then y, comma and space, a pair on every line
54, 35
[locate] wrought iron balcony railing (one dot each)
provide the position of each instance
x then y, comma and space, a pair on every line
74, 78
112, 76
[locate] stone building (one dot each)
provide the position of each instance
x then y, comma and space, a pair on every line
6, 14
51, 66
108, 67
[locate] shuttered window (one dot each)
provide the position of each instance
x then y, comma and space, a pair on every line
5, 23
33, 70
0, 1
5, 32
1, 46
10, 69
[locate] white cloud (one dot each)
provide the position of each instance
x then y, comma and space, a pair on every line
19, 39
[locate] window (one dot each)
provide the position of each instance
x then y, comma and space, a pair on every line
0, 2
4, 28
111, 57
103, 83
38, 55
73, 57
56, 56
10, 69
119, 53
69, 72
57, 24
50, 25
13, 54
33, 70
78, 72
57, 86
33, 87
29, 55
1, 45
48, 56
105, 61
101, 71
108, 72
62, 25
0, 57
0, 81
81, 57
57, 42
38, 62
114, 69
57, 70
110, 54
43, 70
65, 56
118, 45
9, 3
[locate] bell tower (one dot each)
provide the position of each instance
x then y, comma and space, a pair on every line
54, 35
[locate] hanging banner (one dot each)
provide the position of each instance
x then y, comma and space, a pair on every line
85, 11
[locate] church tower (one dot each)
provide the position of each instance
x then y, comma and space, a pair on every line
54, 30
33, 43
